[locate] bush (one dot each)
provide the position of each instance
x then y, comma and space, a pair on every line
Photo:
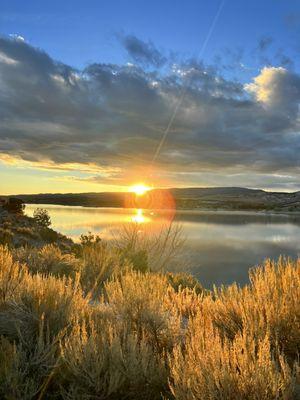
150, 249
269, 305
14, 206
42, 217
11, 275
245, 368
49, 235
89, 239
182, 280
142, 302
110, 362
99, 263
27, 231
6, 237
48, 260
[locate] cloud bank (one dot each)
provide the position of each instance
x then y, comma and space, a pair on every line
108, 119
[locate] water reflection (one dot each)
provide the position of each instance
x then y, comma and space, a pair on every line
139, 217
220, 246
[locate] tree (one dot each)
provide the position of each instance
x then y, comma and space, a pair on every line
14, 206
42, 217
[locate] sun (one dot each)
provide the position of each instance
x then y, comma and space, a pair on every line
139, 189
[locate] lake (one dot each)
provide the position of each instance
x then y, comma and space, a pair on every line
220, 247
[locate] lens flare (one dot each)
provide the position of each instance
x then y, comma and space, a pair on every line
140, 189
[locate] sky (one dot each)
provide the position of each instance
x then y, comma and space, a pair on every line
97, 95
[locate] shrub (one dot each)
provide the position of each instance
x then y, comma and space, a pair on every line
150, 249
6, 236
270, 304
99, 263
54, 303
142, 302
26, 371
48, 260
14, 206
245, 368
89, 239
27, 231
42, 217
110, 362
182, 280
11, 275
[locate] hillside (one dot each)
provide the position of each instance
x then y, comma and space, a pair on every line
20, 230
227, 198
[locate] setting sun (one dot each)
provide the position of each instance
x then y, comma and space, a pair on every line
139, 189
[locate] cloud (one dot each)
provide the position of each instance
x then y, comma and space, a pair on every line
279, 91
264, 43
17, 37
111, 118
144, 53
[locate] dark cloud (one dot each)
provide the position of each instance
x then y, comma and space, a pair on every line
144, 53
111, 117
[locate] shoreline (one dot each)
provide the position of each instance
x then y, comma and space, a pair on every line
180, 210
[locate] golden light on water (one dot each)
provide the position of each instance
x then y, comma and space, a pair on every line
145, 199
139, 217
139, 189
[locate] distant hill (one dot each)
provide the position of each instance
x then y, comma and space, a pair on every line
195, 192
107, 199
227, 198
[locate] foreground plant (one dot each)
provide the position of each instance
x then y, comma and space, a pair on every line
90, 326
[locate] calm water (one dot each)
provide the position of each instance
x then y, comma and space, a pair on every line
220, 247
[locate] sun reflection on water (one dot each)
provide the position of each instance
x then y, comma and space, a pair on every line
139, 217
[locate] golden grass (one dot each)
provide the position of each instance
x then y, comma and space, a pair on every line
91, 326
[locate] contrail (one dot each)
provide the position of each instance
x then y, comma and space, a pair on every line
183, 91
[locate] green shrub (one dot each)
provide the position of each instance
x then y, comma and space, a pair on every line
14, 206
42, 217
182, 280
89, 239
48, 235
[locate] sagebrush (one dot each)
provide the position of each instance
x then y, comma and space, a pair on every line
93, 324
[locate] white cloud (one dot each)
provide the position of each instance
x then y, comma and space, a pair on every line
17, 37
266, 85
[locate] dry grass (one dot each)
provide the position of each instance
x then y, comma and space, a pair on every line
158, 248
48, 260
92, 326
246, 367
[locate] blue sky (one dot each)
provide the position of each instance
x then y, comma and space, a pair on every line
89, 88
78, 33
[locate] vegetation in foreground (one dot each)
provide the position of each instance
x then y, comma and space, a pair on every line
97, 322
